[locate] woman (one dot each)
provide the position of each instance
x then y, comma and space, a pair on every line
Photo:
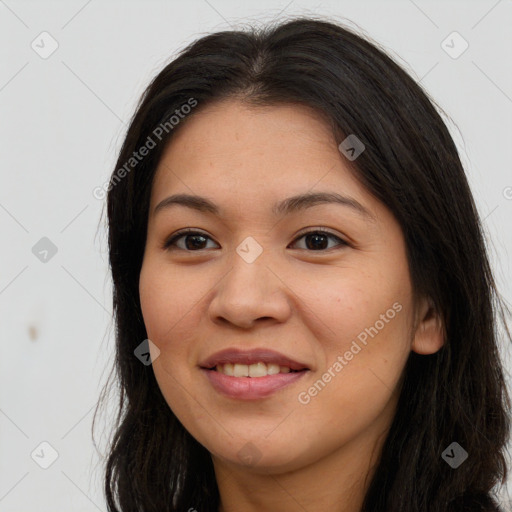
295, 249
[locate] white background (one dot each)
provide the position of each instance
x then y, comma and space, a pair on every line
62, 120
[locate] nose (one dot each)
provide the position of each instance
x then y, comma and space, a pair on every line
250, 293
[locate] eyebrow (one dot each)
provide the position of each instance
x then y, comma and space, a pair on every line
286, 206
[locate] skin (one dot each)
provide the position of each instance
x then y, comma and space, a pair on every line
307, 303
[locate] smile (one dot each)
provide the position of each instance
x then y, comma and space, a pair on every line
259, 369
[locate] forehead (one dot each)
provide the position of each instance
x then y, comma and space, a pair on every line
240, 154
232, 116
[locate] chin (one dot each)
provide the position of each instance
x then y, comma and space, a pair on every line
265, 457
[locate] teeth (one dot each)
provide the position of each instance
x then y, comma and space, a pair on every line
228, 369
252, 370
241, 370
272, 369
257, 370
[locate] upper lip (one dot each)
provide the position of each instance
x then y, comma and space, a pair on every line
235, 355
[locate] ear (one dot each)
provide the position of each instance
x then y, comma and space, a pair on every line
429, 335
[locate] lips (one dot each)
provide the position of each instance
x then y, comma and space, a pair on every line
248, 357
240, 385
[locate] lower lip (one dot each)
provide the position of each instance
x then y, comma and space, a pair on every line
251, 388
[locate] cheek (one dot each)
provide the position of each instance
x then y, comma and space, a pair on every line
362, 323
172, 303
358, 386
170, 306
348, 304
167, 299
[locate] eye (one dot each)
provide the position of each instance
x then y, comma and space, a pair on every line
317, 239
198, 239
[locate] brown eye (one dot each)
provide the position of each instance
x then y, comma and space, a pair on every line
318, 240
194, 240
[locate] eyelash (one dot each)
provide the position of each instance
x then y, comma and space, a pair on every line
189, 231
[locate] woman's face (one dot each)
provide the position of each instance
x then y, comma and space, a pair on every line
259, 277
